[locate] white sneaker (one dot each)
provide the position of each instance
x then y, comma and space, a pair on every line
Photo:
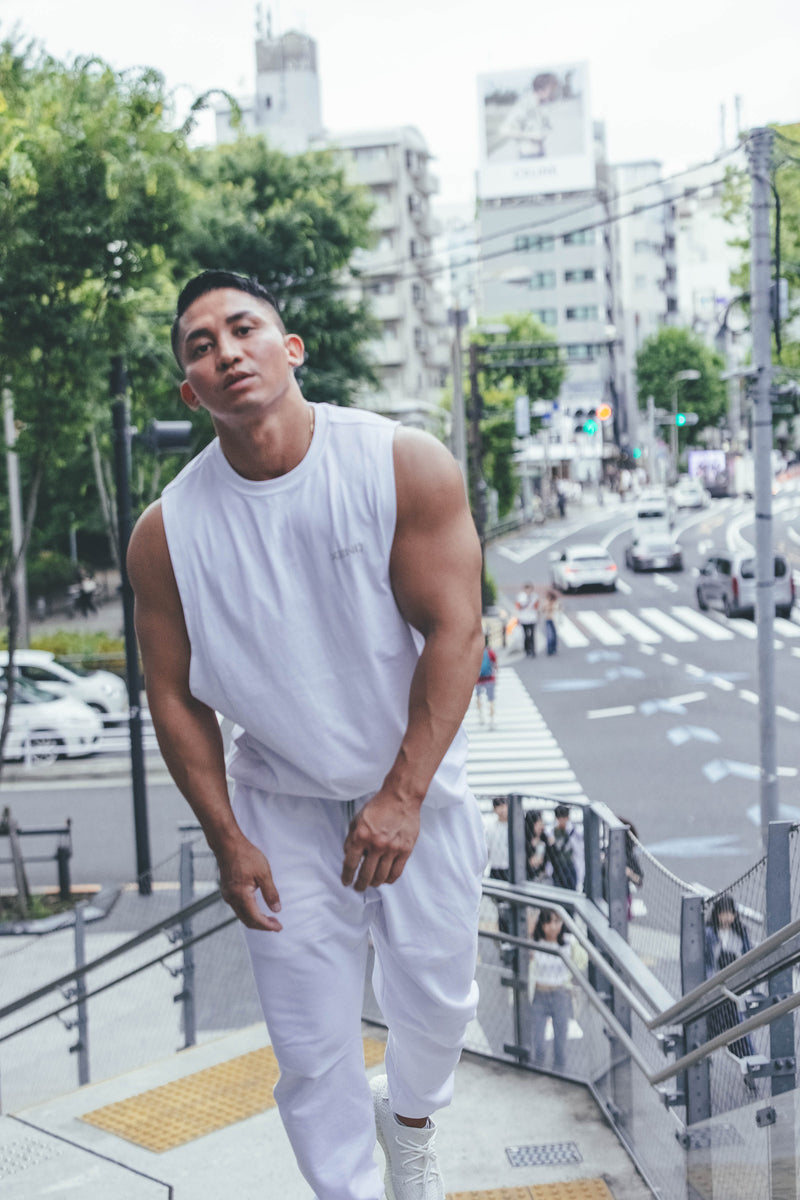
412, 1172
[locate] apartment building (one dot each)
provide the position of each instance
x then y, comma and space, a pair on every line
398, 275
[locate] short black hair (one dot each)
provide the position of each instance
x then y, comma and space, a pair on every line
498, 800
562, 810
212, 281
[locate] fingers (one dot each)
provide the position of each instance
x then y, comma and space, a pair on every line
353, 855
242, 895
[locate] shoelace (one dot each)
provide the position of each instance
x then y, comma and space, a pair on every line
427, 1169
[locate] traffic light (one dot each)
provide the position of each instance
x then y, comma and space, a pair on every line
686, 418
589, 426
636, 452
604, 411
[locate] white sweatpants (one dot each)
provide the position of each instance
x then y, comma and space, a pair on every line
310, 976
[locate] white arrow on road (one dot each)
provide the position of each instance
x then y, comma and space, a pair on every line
675, 704
684, 733
663, 582
624, 673
603, 656
720, 768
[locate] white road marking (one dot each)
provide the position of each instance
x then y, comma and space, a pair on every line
594, 624
596, 714
750, 697
570, 635
668, 625
705, 625
633, 626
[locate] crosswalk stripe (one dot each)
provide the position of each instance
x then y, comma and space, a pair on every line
746, 628
632, 625
570, 635
520, 753
667, 625
594, 624
703, 624
786, 627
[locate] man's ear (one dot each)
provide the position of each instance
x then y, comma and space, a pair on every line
188, 396
295, 349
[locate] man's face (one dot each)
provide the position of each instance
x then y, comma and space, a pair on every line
235, 355
502, 811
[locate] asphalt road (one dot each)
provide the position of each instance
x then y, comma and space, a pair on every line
663, 727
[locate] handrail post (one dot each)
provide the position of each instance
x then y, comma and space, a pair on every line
517, 874
81, 1047
697, 1080
186, 995
593, 856
782, 1148
621, 1074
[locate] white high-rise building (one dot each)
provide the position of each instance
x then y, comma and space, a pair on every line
398, 274
286, 106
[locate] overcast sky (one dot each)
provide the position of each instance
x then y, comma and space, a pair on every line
659, 73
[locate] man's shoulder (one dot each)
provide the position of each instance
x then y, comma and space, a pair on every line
339, 416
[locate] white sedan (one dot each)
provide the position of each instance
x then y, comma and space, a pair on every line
690, 493
45, 727
586, 565
101, 690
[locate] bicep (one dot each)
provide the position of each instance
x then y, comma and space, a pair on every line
436, 559
158, 613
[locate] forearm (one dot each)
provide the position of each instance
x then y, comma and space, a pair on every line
191, 744
440, 693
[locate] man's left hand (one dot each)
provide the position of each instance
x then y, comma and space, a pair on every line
380, 838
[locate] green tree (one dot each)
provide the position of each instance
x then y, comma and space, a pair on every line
662, 357
500, 381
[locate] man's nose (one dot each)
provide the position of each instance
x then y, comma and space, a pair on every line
227, 351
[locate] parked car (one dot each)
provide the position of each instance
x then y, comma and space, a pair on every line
657, 551
585, 565
728, 581
101, 690
690, 493
45, 727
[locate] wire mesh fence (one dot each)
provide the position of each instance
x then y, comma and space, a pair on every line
655, 917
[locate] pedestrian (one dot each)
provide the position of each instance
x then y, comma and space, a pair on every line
634, 875
561, 501
528, 613
487, 677
86, 589
565, 851
550, 607
726, 939
498, 858
536, 857
314, 576
549, 988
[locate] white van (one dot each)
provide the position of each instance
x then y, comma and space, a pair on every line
655, 512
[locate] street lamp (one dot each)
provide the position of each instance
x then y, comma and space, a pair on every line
679, 377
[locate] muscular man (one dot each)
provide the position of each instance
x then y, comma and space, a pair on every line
314, 575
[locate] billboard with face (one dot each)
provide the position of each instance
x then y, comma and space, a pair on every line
536, 131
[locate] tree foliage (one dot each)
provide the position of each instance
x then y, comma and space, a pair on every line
500, 382
666, 354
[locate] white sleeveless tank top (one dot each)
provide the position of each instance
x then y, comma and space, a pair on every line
295, 634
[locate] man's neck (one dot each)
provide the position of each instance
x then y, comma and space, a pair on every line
270, 445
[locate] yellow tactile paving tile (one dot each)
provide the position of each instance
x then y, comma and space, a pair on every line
190, 1108
573, 1189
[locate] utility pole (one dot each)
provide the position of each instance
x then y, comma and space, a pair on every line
122, 450
459, 318
759, 151
19, 582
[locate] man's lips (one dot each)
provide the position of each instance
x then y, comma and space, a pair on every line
237, 377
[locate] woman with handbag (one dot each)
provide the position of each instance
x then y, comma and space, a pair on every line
549, 988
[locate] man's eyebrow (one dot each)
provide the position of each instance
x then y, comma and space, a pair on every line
203, 332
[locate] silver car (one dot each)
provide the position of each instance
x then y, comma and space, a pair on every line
45, 727
654, 552
728, 581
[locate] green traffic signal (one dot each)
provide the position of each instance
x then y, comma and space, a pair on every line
590, 427
636, 452
680, 418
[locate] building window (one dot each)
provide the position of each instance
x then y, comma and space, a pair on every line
524, 242
545, 316
543, 279
672, 304
371, 153
414, 248
380, 287
581, 237
585, 275
643, 247
417, 293
584, 312
419, 338
580, 352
